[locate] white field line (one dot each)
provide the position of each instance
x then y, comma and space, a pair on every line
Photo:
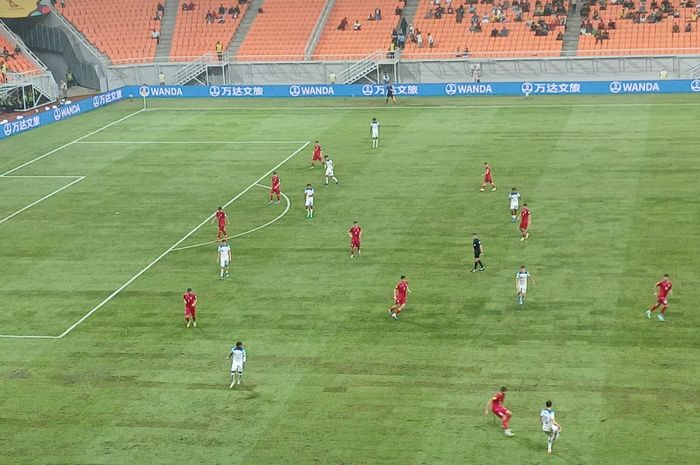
200, 142
68, 144
176, 244
79, 178
244, 233
40, 176
434, 107
13, 336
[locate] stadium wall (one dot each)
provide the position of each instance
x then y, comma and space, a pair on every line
449, 90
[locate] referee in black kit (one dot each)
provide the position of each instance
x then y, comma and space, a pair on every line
478, 252
390, 94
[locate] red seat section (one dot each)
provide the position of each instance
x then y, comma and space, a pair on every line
16, 62
282, 31
373, 35
194, 35
120, 28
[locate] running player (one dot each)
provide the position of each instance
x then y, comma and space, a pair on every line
478, 252
238, 362
400, 292
317, 155
496, 406
309, 200
222, 219
488, 179
330, 169
190, 299
664, 290
355, 234
374, 132
274, 188
514, 200
224, 256
549, 425
521, 278
525, 221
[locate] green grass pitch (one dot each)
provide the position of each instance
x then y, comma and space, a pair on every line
613, 187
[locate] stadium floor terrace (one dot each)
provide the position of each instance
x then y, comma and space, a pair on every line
330, 379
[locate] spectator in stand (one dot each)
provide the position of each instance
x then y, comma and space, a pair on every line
693, 17
612, 25
219, 47
343, 24
431, 41
161, 78
209, 17
222, 10
503, 32
676, 28
377, 14
356, 26
234, 11
601, 25
560, 36
63, 3
221, 19
155, 35
419, 39
401, 41
404, 27
688, 27
190, 6
494, 32
459, 14
185, 7
5, 53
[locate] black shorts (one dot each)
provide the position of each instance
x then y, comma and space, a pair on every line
477, 255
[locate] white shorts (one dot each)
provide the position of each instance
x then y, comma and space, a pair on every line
522, 289
224, 262
329, 173
237, 368
309, 203
514, 205
375, 134
550, 431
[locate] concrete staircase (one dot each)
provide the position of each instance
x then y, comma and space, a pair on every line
318, 30
571, 36
167, 27
409, 12
243, 28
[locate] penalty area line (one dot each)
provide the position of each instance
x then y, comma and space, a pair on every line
176, 244
189, 142
245, 233
79, 178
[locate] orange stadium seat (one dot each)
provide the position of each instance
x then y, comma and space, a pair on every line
281, 32
18, 63
351, 44
121, 28
450, 36
193, 36
629, 38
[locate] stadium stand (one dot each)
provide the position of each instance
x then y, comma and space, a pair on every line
373, 35
452, 38
194, 35
121, 29
633, 34
282, 31
16, 62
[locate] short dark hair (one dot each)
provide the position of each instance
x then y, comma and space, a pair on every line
274, 172
239, 344
403, 277
354, 222
504, 389
548, 403
189, 289
220, 208
666, 275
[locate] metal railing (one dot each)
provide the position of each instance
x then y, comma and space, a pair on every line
26, 51
318, 29
77, 35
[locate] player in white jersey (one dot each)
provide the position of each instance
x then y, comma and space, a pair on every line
238, 361
521, 278
514, 200
330, 169
549, 425
309, 200
374, 132
224, 255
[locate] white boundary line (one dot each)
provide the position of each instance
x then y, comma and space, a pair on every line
433, 107
176, 244
244, 233
201, 142
79, 178
74, 141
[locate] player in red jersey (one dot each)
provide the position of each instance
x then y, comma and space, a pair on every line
275, 189
664, 290
318, 157
190, 299
488, 179
496, 406
525, 221
400, 291
221, 217
355, 234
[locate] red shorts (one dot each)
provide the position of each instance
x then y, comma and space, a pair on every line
488, 180
662, 300
275, 191
400, 301
523, 226
317, 157
355, 243
500, 412
190, 312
